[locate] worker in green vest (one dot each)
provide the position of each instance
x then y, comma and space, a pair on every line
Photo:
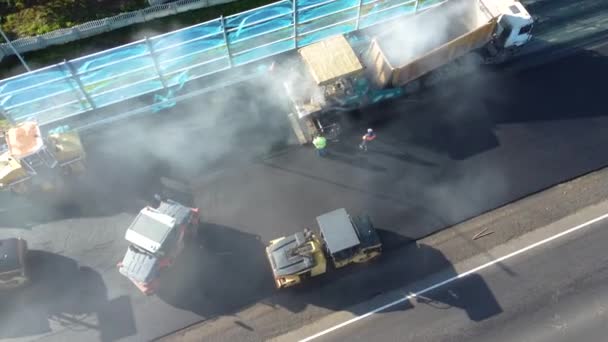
320, 145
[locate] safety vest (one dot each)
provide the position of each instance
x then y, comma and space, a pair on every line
369, 137
319, 142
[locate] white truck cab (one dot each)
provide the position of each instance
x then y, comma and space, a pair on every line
515, 24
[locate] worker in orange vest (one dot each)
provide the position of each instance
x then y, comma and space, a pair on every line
369, 136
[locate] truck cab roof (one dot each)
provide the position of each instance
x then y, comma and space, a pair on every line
151, 228
149, 232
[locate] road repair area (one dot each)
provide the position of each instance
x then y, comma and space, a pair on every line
445, 159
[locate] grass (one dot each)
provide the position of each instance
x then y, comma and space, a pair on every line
10, 65
24, 18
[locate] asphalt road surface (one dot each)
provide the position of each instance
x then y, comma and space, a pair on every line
558, 292
462, 149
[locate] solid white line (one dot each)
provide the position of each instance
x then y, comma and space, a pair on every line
456, 277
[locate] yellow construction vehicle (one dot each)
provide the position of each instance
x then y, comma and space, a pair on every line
30, 162
343, 239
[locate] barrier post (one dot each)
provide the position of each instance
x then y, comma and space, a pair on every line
416, 8
10, 44
294, 10
223, 21
74, 75
359, 14
7, 116
155, 61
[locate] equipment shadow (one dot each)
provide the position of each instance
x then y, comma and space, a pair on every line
228, 271
61, 292
404, 268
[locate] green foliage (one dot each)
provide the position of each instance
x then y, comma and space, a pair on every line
33, 17
30, 22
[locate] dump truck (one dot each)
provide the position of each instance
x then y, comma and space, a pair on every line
156, 238
342, 240
31, 162
347, 72
13, 270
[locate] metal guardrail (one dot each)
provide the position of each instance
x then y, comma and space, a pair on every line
58, 92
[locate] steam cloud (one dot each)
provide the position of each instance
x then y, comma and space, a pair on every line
410, 38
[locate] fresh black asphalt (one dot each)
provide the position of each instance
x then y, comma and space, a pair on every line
556, 293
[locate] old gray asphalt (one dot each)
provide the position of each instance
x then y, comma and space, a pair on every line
556, 293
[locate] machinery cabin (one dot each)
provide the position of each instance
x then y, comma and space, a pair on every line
28, 159
333, 82
295, 258
13, 273
303, 255
333, 72
156, 237
348, 240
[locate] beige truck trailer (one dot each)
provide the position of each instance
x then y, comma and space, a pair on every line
492, 29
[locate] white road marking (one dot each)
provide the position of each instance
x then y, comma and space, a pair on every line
454, 278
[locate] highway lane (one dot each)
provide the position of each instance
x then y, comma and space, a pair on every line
424, 174
557, 292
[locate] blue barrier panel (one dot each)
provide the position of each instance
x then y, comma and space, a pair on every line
68, 89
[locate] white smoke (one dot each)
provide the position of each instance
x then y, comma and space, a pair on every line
409, 38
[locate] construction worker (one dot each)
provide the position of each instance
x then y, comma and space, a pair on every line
320, 145
369, 136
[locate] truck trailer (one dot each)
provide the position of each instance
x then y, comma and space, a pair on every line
347, 72
342, 240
